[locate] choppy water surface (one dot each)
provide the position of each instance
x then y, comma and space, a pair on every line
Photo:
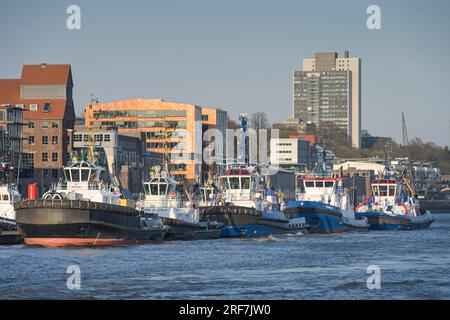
414, 265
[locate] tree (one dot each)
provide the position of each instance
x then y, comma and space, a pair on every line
259, 120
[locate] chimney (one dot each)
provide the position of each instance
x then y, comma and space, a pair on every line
43, 65
346, 54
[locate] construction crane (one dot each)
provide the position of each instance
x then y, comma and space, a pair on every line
405, 131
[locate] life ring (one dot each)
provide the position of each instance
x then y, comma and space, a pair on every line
220, 202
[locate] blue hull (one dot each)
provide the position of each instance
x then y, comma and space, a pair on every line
383, 221
252, 230
320, 217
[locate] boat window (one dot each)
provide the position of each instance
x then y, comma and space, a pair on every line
245, 183
383, 191
163, 189
225, 183
67, 174
85, 174
391, 191
375, 191
75, 175
154, 189
146, 188
329, 184
207, 193
309, 184
5, 197
319, 184
234, 183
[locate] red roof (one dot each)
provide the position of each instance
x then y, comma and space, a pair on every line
36, 74
51, 74
9, 91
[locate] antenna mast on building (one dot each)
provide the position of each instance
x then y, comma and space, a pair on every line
405, 131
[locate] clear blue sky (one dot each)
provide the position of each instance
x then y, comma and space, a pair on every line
239, 55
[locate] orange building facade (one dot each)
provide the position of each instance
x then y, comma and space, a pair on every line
151, 119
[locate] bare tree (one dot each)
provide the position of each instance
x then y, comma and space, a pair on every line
259, 120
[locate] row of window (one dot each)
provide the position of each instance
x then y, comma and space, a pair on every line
35, 106
141, 113
142, 124
97, 137
162, 145
44, 156
44, 140
45, 124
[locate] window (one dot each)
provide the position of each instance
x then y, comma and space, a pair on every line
31, 124
383, 191
319, 184
44, 140
205, 117
392, 191
20, 105
44, 156
55, 173
245, 183
44, 124
54, 124
329, 184
54, 156
77, 137
107, 137
55, 140
234, 183
31, 140
309, 184
33, 107
46, 107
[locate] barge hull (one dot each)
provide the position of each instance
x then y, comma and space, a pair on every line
81, 223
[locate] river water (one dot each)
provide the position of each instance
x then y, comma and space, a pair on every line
413, 265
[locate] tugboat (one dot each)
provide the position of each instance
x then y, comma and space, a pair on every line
242, 201
165, 198
245, 207
8, 197
9, 233
326, 206
85, 208
394, 205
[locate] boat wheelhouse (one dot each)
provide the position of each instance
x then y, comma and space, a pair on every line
165, 197
393, 205
85, 180
325, 204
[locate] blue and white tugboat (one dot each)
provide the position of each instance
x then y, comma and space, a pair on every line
245, 207
242, 201
394, 205
326, 206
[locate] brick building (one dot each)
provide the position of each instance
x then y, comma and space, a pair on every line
44, 92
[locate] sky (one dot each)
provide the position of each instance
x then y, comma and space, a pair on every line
240, 55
